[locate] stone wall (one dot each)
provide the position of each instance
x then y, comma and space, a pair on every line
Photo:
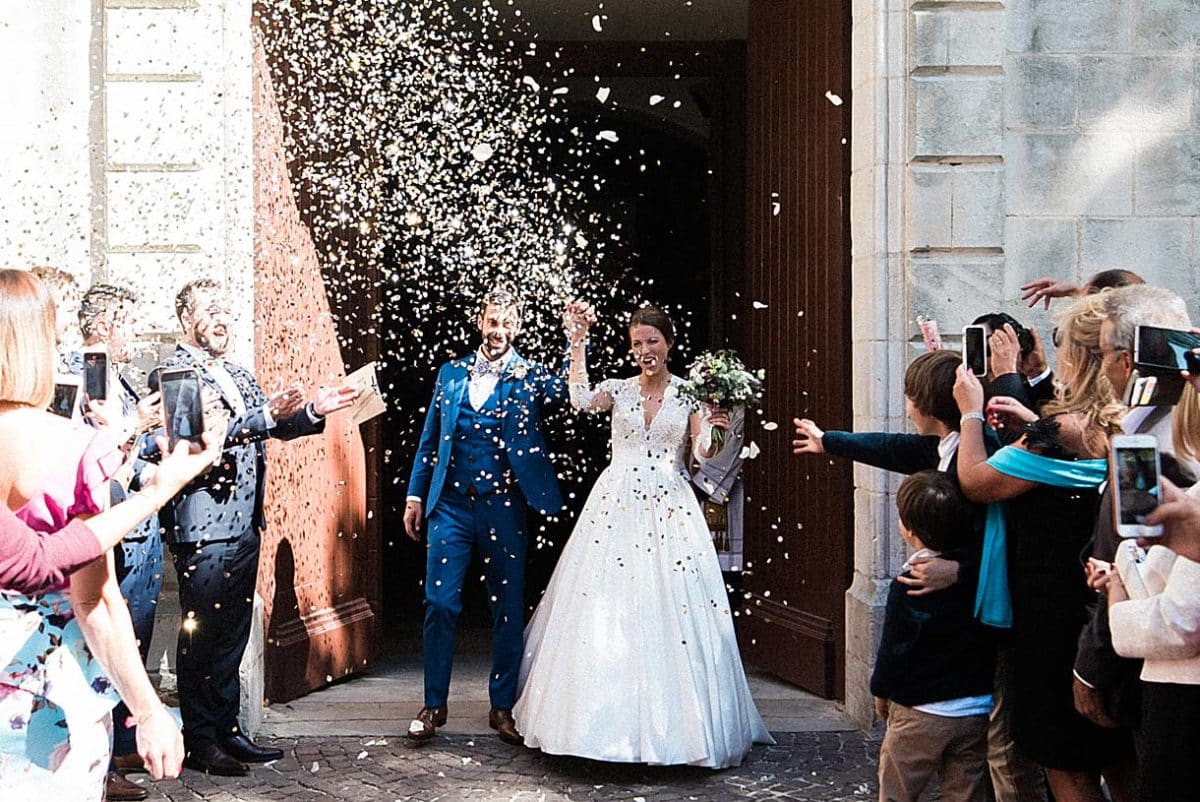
993, 143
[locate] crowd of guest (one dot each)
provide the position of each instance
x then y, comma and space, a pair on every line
91, 496
1028, 652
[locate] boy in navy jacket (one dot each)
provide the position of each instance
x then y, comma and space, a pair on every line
936, 664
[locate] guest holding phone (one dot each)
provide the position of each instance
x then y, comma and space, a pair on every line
213, 527
69, 650
1048, 481
1163, 628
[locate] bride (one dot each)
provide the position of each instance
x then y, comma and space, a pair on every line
631, 655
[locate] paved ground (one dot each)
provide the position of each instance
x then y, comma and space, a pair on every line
821, 767
344, 743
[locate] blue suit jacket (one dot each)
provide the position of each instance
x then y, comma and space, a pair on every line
526, 390
227, 502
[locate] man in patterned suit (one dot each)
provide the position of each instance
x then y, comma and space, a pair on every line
481, 460
107, 317
213, 529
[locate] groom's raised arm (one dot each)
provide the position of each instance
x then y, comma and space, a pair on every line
422, 470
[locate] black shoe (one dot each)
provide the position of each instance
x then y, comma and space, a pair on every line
243, 748
212, 759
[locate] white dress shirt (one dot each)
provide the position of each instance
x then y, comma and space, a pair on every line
947, 448
480, 388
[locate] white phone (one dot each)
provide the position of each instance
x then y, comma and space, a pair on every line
1136, 489
975, 348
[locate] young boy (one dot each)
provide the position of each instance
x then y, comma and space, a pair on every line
935, 666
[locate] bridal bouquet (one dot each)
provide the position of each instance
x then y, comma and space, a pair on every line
721, 379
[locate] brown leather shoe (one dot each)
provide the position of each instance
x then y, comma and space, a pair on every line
119, 789
425, 725
502, 722
129, 764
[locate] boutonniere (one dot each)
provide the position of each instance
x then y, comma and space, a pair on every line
519, 371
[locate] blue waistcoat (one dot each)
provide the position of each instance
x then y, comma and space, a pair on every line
477, 458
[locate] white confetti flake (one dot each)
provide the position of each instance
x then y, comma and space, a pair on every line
607, 136
770, 426
759, 305
596, 23
315, 767
832, 98
362, 755
482, 152
602, 94
531, 82
656, 99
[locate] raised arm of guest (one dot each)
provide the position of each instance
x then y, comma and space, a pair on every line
31, 561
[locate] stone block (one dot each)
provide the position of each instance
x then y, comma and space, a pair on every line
929, 206
1166, 25
1065, 174
162, 123
1167, 179
957, 115
1136, 93
1158, 249
1041, 91
954, 291
977, 216
165, 41
1067, 26
957, 38
1036, 247
171, 209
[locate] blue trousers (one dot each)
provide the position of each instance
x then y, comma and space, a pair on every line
495, 525
216, 590
139, 565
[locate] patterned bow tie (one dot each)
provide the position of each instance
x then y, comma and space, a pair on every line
484, 366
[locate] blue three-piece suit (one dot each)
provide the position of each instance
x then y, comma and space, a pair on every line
477, 471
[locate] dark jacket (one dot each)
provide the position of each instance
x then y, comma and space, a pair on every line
932, 648
226, 502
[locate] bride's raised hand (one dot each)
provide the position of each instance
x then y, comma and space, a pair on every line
577, 319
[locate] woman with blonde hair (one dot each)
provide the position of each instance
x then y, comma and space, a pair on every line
67, 651
1043, 494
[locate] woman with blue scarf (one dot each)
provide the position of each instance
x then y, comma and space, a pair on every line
1043, 494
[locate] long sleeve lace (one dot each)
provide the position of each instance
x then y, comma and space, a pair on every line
586, 398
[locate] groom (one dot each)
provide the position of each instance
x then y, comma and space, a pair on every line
481, 460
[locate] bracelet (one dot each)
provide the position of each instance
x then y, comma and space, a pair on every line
972, 416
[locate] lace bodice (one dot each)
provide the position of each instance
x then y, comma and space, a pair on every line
665, 441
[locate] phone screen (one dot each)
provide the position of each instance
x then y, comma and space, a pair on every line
65, 396
182, 406
95, 375
974, 356
1168, 349
1137, 490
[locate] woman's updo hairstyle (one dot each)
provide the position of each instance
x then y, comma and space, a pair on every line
656, 318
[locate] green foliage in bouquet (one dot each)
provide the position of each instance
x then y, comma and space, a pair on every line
721, 379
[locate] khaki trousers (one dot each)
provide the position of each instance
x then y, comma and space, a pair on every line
919, 745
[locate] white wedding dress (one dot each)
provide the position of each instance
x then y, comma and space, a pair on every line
631, 654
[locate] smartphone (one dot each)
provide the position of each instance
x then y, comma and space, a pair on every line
1136, 489
1154, 390
183, 408
66, 396
975, 348
95, 374
1165, 349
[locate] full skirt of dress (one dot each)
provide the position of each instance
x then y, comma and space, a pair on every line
631, 655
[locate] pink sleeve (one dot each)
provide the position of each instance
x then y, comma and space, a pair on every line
31, 562
97, 466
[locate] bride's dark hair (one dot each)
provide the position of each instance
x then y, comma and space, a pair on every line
655, 317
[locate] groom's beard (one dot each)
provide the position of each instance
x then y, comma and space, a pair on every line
493, 350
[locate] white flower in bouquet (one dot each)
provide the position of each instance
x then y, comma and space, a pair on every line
721, 379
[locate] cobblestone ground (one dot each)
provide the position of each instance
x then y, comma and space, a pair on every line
822, 767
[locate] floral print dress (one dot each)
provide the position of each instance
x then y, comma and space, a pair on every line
55, 700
